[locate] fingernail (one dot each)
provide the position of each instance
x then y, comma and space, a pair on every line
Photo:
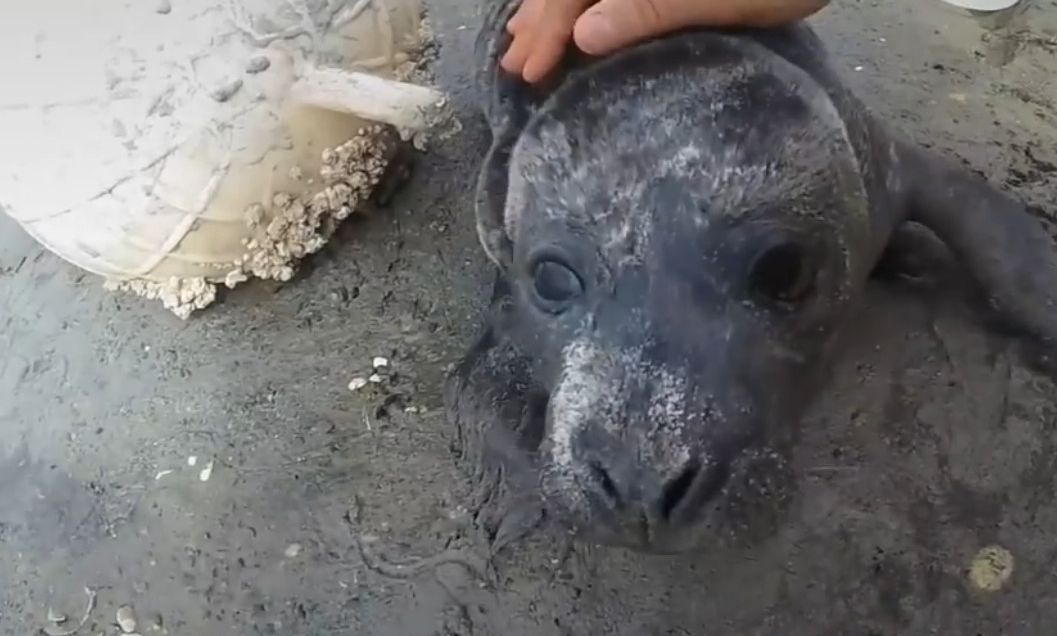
595, 33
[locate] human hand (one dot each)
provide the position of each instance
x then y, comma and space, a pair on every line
543, 28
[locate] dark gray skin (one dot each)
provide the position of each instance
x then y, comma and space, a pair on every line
680, 232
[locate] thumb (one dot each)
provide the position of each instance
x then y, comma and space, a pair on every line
614, 24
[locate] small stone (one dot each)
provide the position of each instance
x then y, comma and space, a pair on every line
206, 472
258, 64
164, 7
380, 362
991, 568
225, 92
126, 619
357, 383
292, 550
375, 379
192, 460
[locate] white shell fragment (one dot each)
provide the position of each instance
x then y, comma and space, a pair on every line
206, 472
982, 5
126, 619
53, 628
357, 383
380, 362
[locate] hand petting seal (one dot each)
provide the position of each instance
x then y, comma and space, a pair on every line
680, 231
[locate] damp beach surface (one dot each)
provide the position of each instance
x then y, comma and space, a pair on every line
927, 472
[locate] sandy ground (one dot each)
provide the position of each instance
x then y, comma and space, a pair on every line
933, 442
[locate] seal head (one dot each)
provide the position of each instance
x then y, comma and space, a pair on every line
679, 231
682, 232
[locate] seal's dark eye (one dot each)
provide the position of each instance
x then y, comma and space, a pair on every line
783, 273
556, 283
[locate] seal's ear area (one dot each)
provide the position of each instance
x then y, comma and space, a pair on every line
490, 200
992, 234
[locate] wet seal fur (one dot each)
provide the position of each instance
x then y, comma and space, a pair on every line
680, 230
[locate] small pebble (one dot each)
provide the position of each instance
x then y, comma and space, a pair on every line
991, 568
357, 384
225, 92
192, 460
292, 550
126, 619
258, 64
380, 362
858, 68
206, 472
375, 378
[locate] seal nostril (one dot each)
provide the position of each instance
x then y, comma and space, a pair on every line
608, 487
677, 489
696, 483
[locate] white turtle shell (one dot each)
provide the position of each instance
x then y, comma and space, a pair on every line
134, 134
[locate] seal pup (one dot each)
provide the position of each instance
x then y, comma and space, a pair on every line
679, 231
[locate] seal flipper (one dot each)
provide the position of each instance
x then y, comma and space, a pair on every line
914, 255
1003, 248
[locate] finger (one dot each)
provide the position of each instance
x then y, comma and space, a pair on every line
527, 14
513, 61
545, 56
521, 26
551, 36
614, 24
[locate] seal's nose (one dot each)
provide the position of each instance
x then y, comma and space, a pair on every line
636, 497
